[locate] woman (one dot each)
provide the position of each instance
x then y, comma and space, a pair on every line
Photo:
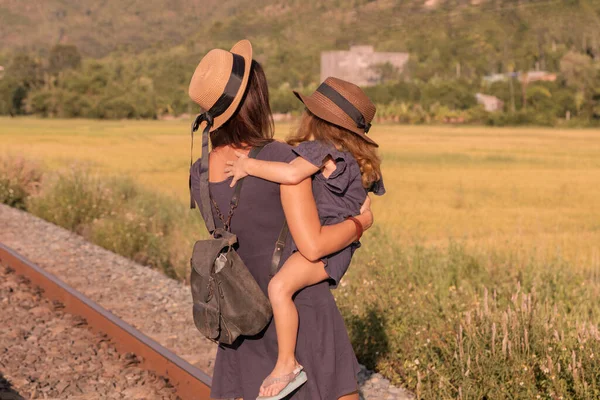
233, 88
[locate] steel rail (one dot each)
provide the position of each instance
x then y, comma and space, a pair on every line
189, 381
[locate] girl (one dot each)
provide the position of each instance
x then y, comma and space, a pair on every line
333, 149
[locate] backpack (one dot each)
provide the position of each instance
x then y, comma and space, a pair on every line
227, 301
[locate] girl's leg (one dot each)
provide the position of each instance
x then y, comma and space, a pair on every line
295, 274
351, 396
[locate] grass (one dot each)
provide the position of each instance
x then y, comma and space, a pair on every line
462, 324
527, 190
479, 280
119, 215
19, 178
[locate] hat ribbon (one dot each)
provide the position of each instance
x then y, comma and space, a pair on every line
221, 105
345, 105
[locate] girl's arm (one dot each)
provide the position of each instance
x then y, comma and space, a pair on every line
288, 174
313, 240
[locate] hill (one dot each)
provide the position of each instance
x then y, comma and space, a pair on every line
451, 42
100, 27
484, 36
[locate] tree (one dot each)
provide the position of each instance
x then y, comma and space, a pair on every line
18, 97
386, 72
7, 90
578, 70
63, 57
580, 73
26, 71
22, 75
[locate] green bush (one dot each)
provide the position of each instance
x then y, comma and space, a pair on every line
19, 179
402, 112
41, 102
140, 229
540, 99
503, 92
116, 108
457, 95
283, 100
477, 115
75, 105
73, 199
8, 88
117, 214
397, 92
522, 117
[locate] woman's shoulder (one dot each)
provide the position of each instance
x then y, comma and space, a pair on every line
277, 151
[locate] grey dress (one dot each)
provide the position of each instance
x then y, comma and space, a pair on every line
337, 197
324, 347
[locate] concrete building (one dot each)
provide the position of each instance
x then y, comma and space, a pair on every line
356, 65
530, 76
490, 103
533, 76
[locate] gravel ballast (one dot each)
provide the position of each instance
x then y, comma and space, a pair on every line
46, 353
145, 298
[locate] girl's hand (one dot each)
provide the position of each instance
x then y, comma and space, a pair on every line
366, 215
366, 219
366, 205
237, 169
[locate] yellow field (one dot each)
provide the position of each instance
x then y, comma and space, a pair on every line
533, 190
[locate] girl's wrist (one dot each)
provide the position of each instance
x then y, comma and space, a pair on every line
247, 166
366, 219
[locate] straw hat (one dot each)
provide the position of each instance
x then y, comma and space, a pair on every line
220, 81
343, 104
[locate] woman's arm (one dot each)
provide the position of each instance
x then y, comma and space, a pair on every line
288, 174
313, 240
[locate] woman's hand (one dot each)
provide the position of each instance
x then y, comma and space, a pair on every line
237, 169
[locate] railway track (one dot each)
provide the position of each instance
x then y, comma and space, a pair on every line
189, 381
143, 297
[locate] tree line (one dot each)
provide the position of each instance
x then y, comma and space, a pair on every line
452, 47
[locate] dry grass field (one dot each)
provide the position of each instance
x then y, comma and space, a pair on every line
479, 280
532, 190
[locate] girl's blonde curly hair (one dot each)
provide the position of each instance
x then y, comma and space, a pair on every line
312, 127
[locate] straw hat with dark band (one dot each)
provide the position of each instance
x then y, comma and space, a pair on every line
220, 80
343, 104
217, 86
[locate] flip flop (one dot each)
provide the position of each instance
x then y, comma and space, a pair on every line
294, 380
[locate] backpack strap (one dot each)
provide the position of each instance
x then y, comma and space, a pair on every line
204, 186
205, 205
205, 202
238, 185
279, 246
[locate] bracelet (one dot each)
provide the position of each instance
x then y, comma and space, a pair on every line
359, 227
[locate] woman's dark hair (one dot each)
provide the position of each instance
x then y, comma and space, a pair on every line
252, 124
